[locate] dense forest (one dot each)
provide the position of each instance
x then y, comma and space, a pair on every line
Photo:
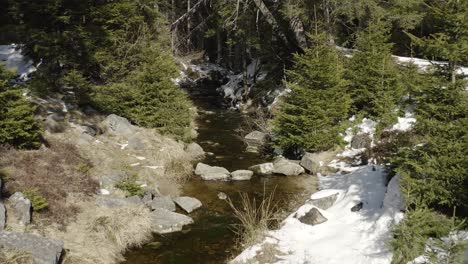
335, 59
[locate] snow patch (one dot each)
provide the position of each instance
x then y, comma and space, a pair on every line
346, 237
15, 61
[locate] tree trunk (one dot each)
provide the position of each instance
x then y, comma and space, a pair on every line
219, 46
297, 28
188, 27
271, 20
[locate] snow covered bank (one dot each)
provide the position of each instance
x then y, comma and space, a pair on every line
357, 237
11, 56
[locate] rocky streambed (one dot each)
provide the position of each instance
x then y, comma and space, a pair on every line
211, 238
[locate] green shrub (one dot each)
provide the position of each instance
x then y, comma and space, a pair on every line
148, 97
129, 185
312, 114
38, 201
17, 124
411, 236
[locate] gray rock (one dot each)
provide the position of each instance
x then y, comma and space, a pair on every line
287, 167
188, 204
211, 173
311, 162
241, 175
134, 200
163, 202
195, 151
89, 130
325, 202
2, 216
263, 169
164, 221
147, 198
119, 125
58, 117
136, 143
357, 207
255, 139
109, 180
361, 141
313, 217
117, 202
21, 207
43, 250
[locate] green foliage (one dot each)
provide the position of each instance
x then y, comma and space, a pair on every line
375, 86
412, 235
38, 201
436, 170
17, 124
75, 81
313, 111
449, 40
129, 185
148, 97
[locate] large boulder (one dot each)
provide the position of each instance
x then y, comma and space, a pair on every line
119, 125
2, 216
165, 221
43, 250
20, 208
210, 173
324, 202
312, 217
287, 167
362, 140
317, 162
195, 151
241, 175
163, 202
263, 169
188, 204
255, 139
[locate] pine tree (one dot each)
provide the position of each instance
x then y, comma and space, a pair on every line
449, 42
375, 86
18, 127
313, 111
436, 169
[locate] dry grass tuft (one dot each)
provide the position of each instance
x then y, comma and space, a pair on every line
256, 218
53, 173
102, 235
10, 256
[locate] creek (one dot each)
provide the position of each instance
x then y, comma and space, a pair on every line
212, 238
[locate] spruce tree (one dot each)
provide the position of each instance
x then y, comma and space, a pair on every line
312, 112
18, 127
373, 75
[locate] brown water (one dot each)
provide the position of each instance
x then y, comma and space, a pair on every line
211, 239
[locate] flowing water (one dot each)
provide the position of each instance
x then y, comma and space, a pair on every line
211, 239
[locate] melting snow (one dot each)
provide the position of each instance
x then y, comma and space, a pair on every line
14, 60
347, 237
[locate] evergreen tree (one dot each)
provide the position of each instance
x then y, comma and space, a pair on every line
312, 113
436, 169
18, 127
375, 86
449, 40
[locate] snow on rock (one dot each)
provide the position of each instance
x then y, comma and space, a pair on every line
11, 56
441, 254
404, 123
347, 237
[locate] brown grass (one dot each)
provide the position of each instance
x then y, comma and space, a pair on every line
255, 218
102, 235
13, 256
54, 172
